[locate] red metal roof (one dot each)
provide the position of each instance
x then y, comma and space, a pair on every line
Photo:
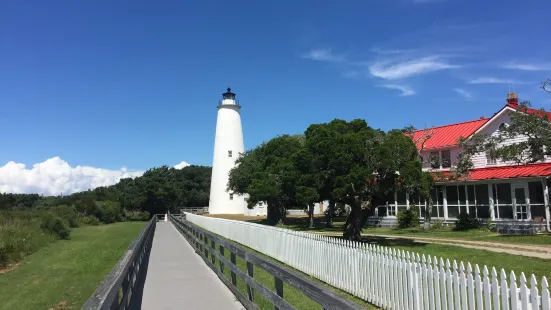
447, 135
507, 172
531, 111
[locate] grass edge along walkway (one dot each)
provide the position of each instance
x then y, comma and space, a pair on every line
65, 273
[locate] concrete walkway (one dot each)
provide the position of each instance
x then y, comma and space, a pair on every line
177, 278
539, 251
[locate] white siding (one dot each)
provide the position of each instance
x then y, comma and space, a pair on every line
479, 160
454, 152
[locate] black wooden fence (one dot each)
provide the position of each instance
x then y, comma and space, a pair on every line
205, 243
122, 288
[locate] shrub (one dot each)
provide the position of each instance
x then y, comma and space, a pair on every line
438, 225
109, 211
133, 215
55, 225
466, 221
408, 218
67, 213
89, 220
20, 235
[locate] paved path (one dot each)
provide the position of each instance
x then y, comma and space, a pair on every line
540, 251
177, 278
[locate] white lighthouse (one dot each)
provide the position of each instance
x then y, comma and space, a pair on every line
228, 145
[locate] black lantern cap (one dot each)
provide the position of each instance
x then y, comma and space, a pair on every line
228, 95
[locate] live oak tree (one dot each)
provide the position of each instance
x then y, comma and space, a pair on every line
355, 164
269, 173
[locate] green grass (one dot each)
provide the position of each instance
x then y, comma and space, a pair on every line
301, 224
21, 235
67, 272
471, 235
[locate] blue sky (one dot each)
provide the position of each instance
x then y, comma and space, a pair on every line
114, 84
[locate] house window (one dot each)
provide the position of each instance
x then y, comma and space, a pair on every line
231, 196
260, 204
434, 160
503, 204
502, 127
490, 160
229, 153
537, 206
446, 159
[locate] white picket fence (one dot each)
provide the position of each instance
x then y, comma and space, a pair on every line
387, 277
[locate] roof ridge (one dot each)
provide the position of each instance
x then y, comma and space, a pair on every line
460, 123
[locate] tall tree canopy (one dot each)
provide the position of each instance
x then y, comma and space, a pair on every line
339, 161
270, 173
158, 190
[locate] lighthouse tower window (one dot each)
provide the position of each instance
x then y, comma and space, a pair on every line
229, 153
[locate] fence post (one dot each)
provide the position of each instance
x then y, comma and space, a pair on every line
233, 275
212, 250
250, 272
220, 261
279, 288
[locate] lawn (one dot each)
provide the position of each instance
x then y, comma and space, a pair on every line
472, 235
65, 273
302, 224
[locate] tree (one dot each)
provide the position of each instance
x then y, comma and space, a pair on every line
269, 173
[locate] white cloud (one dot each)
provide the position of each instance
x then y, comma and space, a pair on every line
406, 91
181, 165
464, 93
55, 176
394, 70
493, 80
323, 54
527, 67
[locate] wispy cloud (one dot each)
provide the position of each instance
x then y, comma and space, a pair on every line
324, 54
467, 94
494, 80
394, 70
526, 66
406, 90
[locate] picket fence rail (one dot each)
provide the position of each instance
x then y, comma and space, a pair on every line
386, 277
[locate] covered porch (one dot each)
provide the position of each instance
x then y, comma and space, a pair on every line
499, 194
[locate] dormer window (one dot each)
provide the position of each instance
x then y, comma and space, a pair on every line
490, 160
446, 159
229, 153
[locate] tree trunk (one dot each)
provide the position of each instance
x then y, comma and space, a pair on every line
352, 228
329, 214
311, 214
428, 214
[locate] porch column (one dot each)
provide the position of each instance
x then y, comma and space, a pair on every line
445, 196
467, 199
546, 202
407, 200
491, 200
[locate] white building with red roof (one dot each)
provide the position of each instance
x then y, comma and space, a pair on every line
503, 192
